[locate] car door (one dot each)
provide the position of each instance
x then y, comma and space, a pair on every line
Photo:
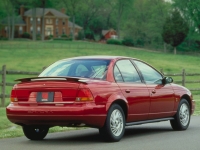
161, 95
133, 89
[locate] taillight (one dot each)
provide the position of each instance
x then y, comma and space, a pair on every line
13, 96
84, 95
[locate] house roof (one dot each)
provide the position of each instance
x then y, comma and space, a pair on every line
70, 24
39, 12
18, 21
104, 32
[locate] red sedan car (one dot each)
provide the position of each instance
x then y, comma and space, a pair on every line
104, 92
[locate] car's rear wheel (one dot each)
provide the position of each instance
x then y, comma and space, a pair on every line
182, 118
114, 127
35, 132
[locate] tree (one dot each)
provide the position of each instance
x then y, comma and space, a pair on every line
175, 29
121, 6
144, 22
72, 6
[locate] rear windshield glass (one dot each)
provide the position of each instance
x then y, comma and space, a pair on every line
90, 68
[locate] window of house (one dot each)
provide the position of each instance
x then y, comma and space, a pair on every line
63, 31
56, 22
31, 20
31, 29
38, 30
20, 30
38, 20
57, 31
48, 21
63, 21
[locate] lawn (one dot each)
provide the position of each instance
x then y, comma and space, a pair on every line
33, 56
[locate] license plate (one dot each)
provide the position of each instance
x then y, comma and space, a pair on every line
45, 96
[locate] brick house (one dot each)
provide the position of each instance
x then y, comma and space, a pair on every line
107, 34
56, 23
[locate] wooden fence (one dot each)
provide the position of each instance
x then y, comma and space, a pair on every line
5, 72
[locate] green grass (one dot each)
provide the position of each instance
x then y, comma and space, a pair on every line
33, 56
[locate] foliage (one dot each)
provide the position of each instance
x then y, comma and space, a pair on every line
50, 37
175, 29
81, 35
89, 34
128, 41
114, 41
26, 35
64, 36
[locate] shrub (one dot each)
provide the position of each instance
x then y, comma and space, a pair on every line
50, 37
128, 41
114, 41
89, 34
64, 36
38, 37
3, 38
81, 35
26, 35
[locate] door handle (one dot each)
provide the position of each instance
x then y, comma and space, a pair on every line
154, 91
127, 91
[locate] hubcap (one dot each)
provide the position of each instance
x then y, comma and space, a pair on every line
116, 122
184, 114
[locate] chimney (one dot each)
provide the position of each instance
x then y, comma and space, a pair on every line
22, 10
63, 11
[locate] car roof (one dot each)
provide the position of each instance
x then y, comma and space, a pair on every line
97, 57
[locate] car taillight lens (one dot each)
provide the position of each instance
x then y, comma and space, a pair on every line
13, 96
84, 95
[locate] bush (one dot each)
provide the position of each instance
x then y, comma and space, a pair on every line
81, 35
26, 35
114, 41
64, 36
3, 38
50, 37
128, 41
38, 37
89, 34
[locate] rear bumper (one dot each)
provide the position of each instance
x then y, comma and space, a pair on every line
89, 114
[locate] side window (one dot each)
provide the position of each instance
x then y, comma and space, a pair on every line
128, 71
117, 75
149, 74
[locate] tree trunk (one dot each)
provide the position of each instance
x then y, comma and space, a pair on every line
165, 48
13, 25
34, 24
43, 22
8, 28
73, 35
174, 50
118, 28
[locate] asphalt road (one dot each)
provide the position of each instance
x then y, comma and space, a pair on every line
154, 136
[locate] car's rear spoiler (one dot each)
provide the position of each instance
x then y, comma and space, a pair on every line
76, 79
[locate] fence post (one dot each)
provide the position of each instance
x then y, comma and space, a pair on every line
3, 85
183, 77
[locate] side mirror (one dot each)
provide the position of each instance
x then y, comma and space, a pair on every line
167, 80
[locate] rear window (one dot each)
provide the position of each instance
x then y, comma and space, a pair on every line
90, 68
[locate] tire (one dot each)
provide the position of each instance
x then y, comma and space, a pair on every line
35, 132
182, 118
114, 127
